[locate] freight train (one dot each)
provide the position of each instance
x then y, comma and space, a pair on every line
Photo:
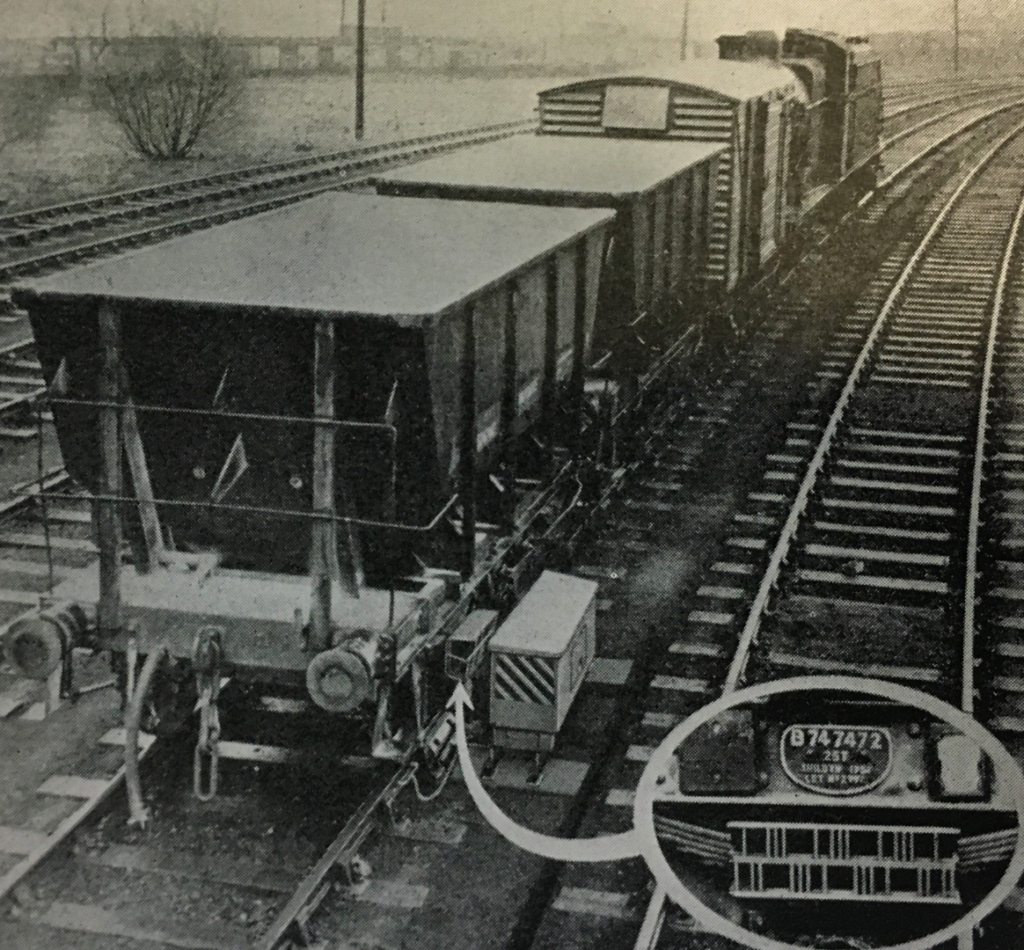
320, 439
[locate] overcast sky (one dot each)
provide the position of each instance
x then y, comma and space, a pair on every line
521, 18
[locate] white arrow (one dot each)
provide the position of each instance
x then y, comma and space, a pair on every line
609, 848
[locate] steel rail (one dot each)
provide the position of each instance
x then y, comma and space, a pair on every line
914, 82
212, 190
308, 895
908, 87
305, 898
770, 578
888, 143
64, 831
26, 494
905, 109
22, 399
654, 920
9, 349
1003, 100
978, 474
890, 180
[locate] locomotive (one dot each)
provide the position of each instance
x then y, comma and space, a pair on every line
317, 439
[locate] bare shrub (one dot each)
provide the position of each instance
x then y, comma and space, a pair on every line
167, 91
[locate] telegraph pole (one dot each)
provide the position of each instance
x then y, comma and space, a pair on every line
360, 68
956, 37
685, 40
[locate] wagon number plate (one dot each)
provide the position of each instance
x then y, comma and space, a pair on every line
836, 760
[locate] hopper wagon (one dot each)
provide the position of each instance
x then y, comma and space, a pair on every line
313, 437
653, 285
286, 425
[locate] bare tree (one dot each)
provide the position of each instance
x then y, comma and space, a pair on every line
166, 91
27, 106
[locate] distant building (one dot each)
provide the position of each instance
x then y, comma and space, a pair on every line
262, 54
579, 48
305, 54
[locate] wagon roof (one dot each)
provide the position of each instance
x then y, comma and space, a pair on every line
732, 79
593, 167
336, 254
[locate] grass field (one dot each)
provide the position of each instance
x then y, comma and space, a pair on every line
279, 117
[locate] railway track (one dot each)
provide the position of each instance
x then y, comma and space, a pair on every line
893, 487
917, 90
236, 881
898, 110
51, 237
992, 596
20, 384
111, 857
902, 149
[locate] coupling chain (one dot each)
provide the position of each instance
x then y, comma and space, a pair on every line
206, 761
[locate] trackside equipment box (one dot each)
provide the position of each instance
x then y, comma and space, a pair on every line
539, 657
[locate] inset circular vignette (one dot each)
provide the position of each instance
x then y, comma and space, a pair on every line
658, 768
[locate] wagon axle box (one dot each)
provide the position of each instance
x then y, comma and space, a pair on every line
539, 658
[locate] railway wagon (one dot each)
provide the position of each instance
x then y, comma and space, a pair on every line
747, 107
275, 410
661, 192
